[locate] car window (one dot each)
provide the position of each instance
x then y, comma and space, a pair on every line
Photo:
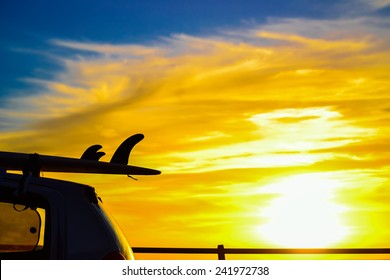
21, 227
116, 231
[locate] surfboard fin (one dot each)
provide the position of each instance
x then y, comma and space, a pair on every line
92, 153
122, 154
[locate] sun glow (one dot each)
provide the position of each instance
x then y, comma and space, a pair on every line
304, 214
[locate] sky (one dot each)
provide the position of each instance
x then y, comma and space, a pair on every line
268, 119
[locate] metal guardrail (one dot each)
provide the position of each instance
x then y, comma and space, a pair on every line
221, 251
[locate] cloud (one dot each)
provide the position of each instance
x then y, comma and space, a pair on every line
375, 4
108, 49
358, 8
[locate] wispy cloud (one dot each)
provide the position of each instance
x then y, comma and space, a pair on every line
108, 49
357, 8
375, 4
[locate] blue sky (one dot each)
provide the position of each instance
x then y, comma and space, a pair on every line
28, 26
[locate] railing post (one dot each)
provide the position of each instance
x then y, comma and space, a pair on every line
221, 252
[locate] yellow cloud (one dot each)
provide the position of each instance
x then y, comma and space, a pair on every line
318, 44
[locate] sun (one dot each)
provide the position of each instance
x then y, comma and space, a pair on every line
304, 214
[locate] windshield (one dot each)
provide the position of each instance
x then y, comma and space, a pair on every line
21, 227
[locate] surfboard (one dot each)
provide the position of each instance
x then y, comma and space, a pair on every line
36, 163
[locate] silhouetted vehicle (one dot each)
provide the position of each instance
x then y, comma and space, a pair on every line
43, 218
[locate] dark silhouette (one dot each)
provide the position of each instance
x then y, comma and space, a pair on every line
122, 154
92, 153
77, 223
